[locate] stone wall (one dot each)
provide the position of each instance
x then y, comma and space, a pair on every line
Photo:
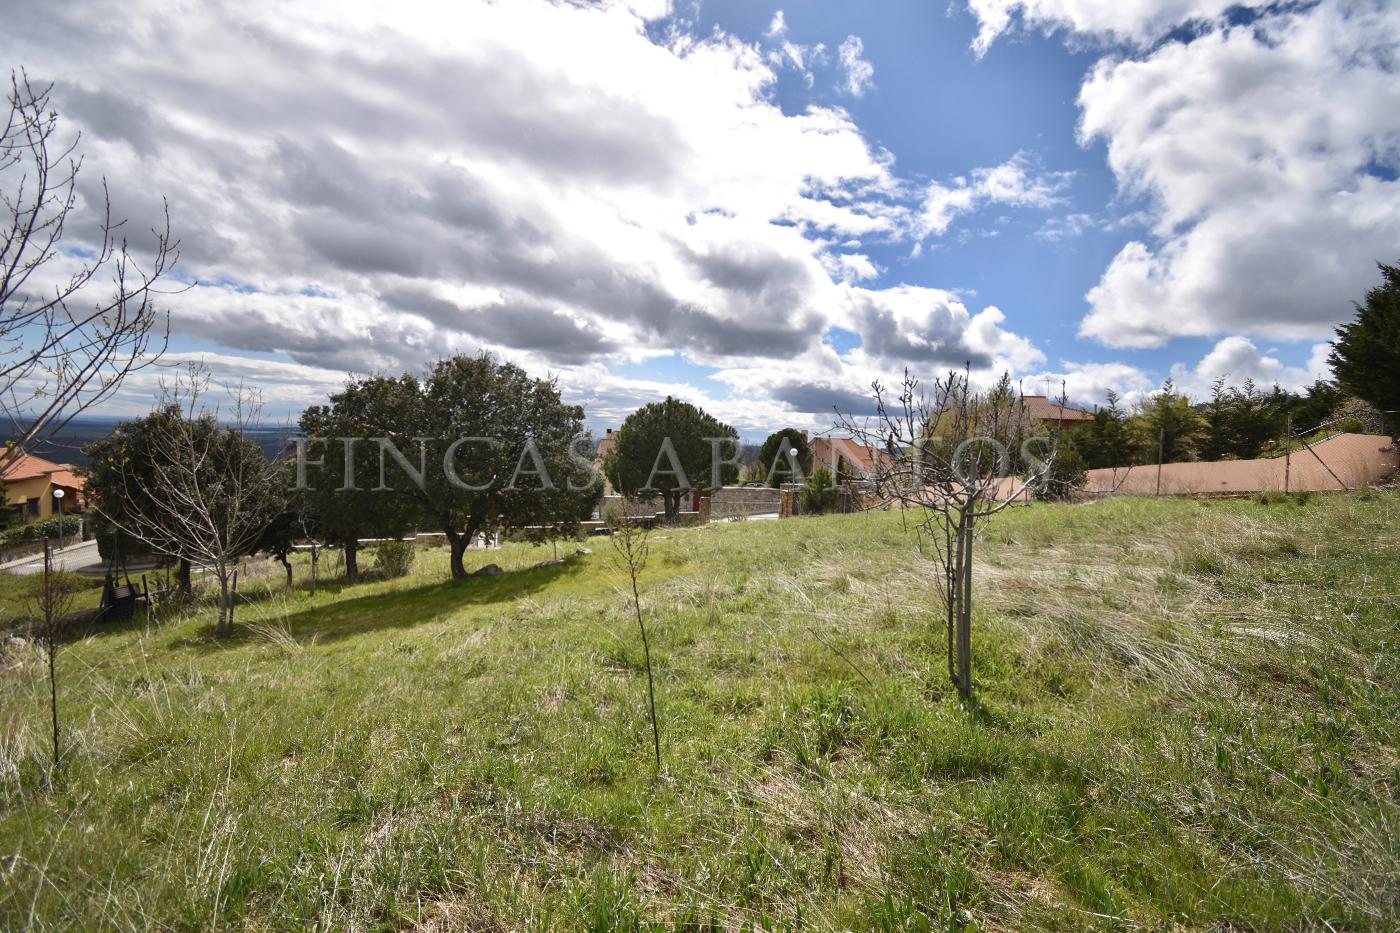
635, 508
728, 502
735, 501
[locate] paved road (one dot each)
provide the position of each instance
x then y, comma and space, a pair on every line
74, 557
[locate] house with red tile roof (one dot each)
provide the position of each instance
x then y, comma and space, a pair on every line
29, 484
860, 460
1050, 416
605, 444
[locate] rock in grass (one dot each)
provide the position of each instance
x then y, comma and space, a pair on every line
490, 570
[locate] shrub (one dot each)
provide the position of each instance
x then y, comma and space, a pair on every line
112, 544
820, 495
394, 558
1065, 477
39, 531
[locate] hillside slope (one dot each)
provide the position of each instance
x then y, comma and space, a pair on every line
1186, 716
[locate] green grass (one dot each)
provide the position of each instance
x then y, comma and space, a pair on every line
1186, 718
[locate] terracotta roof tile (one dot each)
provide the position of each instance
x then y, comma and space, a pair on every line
1042, 409
28, 466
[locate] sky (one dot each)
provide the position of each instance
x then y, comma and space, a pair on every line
758, 207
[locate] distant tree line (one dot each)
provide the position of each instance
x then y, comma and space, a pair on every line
1245, 422
1235, 423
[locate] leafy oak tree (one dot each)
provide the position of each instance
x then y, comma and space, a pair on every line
1366, 354
476, 446
119, 466
204, 491
669, 448
338, 467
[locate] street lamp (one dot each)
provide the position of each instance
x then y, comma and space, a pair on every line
58, 494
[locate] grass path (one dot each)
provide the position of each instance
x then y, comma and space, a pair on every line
1186, 718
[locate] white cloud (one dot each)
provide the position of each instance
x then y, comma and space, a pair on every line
1257, 147
850, 267
793, 55
361, 188
1016, 183
282, 387
860, 74
1066, 228
1114, 20
1236, 359
932, 329
1088, 384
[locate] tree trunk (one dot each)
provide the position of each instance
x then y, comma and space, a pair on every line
458, 545
352, 563
672, 499
182, 578
954, 598
459, 541
965, 624
287, 565
232, 602
220, 627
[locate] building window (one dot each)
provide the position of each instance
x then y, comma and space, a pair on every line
31, 509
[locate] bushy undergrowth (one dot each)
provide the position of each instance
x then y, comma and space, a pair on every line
394, 559
1184, 719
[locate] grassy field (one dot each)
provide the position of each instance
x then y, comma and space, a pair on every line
1186, 719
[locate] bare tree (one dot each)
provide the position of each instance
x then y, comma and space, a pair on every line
52, 603
950, 458
66, 339
208, 491
630, 541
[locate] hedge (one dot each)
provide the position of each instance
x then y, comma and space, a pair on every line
40, 531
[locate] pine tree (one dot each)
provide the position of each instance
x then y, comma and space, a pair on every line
1366, 354
1104, 441
1167, 426
656, 438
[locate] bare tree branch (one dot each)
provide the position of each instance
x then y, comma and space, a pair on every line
62, 350
206, 491
949, 458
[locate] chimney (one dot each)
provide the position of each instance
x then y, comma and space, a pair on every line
804, 435
610, 432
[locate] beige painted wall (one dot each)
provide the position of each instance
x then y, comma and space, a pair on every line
18, 491
1356, 459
